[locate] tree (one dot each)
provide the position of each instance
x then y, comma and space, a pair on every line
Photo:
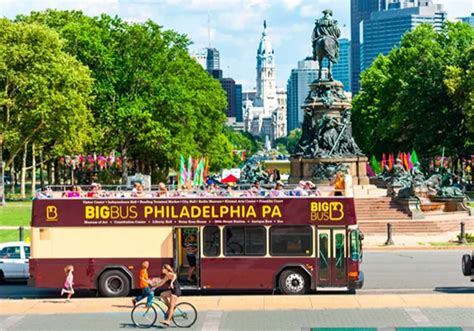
291, 141
153, 101
44, 95
419, 95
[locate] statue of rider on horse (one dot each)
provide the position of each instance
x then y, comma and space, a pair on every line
325, 42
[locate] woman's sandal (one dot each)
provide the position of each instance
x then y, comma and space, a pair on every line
165, 323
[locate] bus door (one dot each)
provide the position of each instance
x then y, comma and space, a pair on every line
331, 257
186, 256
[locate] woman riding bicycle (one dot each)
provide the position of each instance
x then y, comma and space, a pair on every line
171, 295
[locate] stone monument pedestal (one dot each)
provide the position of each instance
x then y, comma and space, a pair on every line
302, 169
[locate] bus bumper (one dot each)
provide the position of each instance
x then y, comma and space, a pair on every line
357, 284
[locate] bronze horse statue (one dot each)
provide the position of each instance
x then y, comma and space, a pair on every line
325, 42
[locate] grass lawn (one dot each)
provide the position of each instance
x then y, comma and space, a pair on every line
16, 213
447, 244
12, 235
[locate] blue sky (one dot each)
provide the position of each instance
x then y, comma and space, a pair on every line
235, 25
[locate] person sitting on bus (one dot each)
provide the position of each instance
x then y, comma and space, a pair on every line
277, 191
191, 251
144, 285
301, 189
171, 295
162, 190
94, 191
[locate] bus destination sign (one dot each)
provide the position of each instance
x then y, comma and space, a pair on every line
193, 211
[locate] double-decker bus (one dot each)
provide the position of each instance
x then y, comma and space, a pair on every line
295, 244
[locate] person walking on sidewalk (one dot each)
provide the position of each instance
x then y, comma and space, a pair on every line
144, 285
68, 270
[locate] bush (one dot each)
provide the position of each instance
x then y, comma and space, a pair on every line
469, 237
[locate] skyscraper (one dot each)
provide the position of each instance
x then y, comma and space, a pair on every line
238, 103
228, 84
342, 70
384, 29
212, 59
297, 90
360, 10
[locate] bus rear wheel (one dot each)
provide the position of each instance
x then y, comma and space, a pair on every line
293, 281
114, 283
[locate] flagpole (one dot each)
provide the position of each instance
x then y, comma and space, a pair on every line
442, 158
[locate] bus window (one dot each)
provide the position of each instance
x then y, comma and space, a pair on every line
240, 241
291, 240
212, 241
355, 245
234, 241
255, 241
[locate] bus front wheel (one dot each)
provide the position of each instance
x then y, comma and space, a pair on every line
114, 283
293, 281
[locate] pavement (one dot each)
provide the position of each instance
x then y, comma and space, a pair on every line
254, 313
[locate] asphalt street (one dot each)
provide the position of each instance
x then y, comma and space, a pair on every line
387, 272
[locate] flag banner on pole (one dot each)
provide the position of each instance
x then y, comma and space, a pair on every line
384, 160
414, 157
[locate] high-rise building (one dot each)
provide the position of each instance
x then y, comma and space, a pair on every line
467, 19
342, 69
264, 116
209, 59
384, 29
298, 89
212, 60
238, 103
360, 10
228, 84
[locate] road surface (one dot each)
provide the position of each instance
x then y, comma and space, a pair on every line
387, 271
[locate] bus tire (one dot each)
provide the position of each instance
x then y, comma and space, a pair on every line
114, 283
2, 277
466, 265
293, 281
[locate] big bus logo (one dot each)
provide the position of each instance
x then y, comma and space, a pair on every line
327, 211
51, 213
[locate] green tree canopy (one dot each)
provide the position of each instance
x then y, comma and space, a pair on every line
153, 102
420, 95
44, 92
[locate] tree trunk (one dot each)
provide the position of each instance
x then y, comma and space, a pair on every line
124, 166
49, 169
23, 172
13, 176
41, 168
56, 172
33, 169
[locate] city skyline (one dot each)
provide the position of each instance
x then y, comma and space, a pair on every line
290, 23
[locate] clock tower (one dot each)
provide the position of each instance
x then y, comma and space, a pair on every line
266, 88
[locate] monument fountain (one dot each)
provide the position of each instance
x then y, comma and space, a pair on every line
326, 145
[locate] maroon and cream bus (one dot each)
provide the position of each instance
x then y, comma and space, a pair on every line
294, 244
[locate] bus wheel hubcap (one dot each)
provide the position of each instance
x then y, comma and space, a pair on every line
295, 283
114, 284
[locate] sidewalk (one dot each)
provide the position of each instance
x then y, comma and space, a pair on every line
246, 303
415, 242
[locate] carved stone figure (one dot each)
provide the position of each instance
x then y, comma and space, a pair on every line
326, 171
451, 192
325, 42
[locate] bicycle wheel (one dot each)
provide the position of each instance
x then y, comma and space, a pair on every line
185, 315
144, 316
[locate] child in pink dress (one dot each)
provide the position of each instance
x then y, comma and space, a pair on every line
68, 283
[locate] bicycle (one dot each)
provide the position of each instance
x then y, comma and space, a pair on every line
143, 316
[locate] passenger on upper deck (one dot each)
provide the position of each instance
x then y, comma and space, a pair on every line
94, 191
277, 191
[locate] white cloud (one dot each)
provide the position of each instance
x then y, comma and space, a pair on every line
292, 4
